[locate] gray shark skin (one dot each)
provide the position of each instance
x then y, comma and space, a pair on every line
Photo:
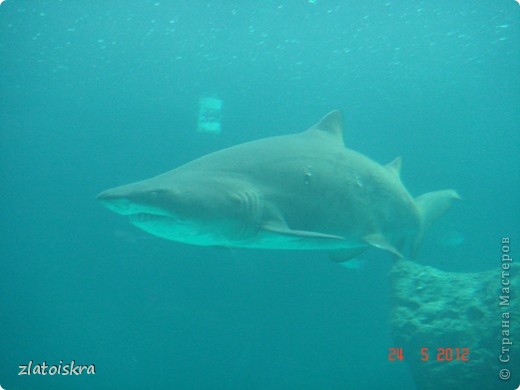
302, 191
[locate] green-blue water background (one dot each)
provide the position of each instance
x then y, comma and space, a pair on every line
100, 93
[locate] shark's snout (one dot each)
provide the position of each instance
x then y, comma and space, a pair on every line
136, 198
114, 201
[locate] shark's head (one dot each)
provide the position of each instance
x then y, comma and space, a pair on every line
194, 209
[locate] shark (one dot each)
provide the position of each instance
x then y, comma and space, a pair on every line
303, 191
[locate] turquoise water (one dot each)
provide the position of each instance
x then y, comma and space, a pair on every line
96, 94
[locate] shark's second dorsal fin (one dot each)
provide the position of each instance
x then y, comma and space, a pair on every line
395, 166
332, 123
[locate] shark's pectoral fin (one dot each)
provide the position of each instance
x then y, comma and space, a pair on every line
343, 255
379, 241
282, 229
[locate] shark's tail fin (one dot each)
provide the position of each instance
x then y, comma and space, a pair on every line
431, 206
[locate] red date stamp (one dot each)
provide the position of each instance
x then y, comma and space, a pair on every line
441, 354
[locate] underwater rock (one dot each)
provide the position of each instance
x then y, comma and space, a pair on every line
446, 312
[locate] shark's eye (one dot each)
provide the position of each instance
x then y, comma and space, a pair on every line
153, 194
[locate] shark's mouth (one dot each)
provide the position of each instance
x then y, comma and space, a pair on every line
171, 228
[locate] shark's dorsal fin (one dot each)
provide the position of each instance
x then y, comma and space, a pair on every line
395, 166
332, 124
